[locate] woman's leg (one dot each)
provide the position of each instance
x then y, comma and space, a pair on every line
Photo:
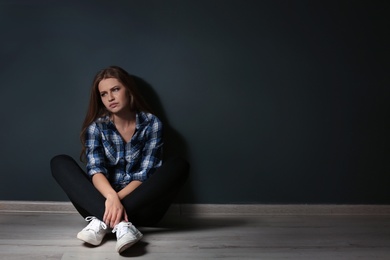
73, 180
147, 204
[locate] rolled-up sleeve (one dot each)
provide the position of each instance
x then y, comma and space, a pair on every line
152, 151
94, 151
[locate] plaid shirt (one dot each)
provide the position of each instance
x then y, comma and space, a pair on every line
123, 162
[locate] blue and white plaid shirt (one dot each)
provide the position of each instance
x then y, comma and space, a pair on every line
123, 162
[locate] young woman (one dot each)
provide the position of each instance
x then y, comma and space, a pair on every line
126, 182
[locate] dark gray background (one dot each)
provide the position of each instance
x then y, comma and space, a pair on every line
270, 101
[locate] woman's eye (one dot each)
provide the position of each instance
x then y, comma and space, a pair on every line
115, 89
103, 94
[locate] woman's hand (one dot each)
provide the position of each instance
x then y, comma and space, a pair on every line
114, 212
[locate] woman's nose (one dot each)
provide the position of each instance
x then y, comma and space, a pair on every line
111, 97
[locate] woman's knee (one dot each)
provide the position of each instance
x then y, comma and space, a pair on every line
59, 162
60, 158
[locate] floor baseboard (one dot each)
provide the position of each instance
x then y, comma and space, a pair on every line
212, 209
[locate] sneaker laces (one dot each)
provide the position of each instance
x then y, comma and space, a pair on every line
122, 228
95, 224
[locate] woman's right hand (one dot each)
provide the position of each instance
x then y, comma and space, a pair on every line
114, 212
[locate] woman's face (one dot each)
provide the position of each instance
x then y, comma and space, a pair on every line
113, 94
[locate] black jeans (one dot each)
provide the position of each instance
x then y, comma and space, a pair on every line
145, 206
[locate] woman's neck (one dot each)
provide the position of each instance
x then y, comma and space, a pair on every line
124, 120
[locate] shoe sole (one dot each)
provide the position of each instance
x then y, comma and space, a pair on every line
123, 246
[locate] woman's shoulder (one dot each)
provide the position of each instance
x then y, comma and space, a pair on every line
148, 121
146, 117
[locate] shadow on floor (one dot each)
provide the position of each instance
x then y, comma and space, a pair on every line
184, 224
138, 249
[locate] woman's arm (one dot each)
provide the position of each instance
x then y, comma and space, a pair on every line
102, 185
151, 152
128, 189
114, 212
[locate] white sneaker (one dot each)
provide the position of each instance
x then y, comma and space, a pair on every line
94, 232
127, 235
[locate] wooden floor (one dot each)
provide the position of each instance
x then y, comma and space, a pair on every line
53, 236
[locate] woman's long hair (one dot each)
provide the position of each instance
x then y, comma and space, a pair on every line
96, 107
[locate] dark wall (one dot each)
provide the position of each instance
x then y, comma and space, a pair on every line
270, 101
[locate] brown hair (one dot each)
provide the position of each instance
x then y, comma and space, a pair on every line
96, 107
